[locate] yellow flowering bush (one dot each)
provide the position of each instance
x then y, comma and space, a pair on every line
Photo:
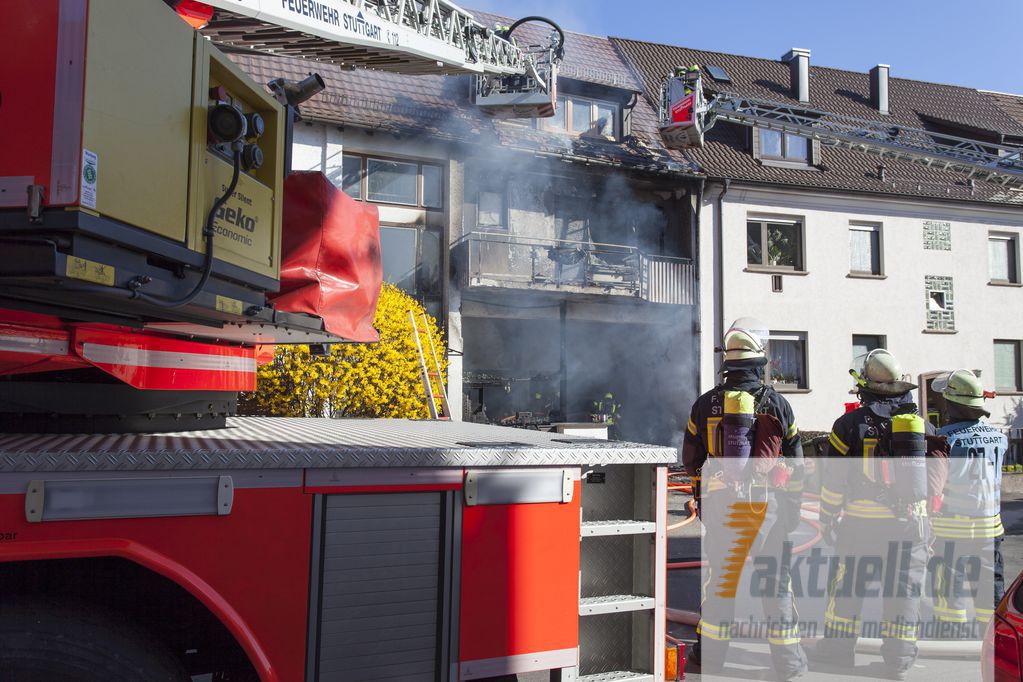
354, 380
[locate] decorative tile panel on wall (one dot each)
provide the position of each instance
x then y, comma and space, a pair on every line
937, 235
940, 302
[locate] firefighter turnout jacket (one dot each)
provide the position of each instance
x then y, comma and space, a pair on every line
865, 434
705, 420
971, 508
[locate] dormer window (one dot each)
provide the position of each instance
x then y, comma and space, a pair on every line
778, 146
585, 117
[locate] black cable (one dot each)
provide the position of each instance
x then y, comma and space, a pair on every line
208, 234
132, 292
560, 51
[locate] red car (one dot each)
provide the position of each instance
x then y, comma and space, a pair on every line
1002, 653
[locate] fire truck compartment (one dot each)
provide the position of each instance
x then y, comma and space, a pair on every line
349, 549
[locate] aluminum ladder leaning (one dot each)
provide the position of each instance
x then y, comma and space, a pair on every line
427, 374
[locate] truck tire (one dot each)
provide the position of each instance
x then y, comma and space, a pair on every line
42, 640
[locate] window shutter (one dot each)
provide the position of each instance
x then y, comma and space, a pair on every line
754, 141
626, 121
815, 153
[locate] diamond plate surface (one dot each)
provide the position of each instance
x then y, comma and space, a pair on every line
606, 565
287, 443
605, 643
618, 676
615, 603
612, 499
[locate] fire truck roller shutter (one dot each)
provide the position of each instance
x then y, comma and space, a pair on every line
381, 577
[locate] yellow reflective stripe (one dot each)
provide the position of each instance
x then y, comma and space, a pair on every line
705, 629
905, 632
869, 446
793, 430
832, 617
972, 521
788, 641
712, 425
794, 486
837, 443
868, 509
692, 427
831, 497
712, 485
967, 528
950, 615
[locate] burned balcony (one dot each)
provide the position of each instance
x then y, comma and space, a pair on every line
498, 260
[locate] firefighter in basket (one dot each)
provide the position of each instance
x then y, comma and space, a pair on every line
968, 533
742, 449
874, 497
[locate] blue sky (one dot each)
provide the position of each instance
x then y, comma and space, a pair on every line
967, 42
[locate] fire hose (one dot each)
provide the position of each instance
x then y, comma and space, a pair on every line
864, 645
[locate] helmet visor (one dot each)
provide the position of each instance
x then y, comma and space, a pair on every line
940, 382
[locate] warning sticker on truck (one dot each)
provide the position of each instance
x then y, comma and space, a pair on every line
90, 173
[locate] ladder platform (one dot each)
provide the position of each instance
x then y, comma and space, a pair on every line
615, 603
618, 676
617, 527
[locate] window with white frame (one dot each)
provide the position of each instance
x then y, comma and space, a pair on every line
865, 249
1008, 372
584, 116
778, 146
1003, 258
774, 243
786, 368
389, 181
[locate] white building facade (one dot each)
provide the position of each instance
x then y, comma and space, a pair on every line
935, 283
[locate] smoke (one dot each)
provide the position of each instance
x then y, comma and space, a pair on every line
643, 354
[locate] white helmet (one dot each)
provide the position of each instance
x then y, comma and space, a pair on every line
880, 372
745, 339
961, 386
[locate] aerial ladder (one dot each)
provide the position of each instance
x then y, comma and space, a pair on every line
687, 114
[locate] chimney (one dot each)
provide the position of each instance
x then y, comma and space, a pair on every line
798, 59
879, 87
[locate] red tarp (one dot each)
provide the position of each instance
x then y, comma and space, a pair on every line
330, 257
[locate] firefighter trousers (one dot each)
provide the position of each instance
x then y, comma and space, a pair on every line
879, 558
964, 573
737, 528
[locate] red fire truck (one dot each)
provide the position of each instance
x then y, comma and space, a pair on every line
153, 243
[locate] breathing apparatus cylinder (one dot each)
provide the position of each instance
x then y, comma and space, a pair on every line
737, 432
909, 452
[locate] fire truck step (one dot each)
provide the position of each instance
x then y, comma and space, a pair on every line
615, 603
618, 676
617, 527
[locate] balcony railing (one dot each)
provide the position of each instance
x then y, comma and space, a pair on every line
490, 259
